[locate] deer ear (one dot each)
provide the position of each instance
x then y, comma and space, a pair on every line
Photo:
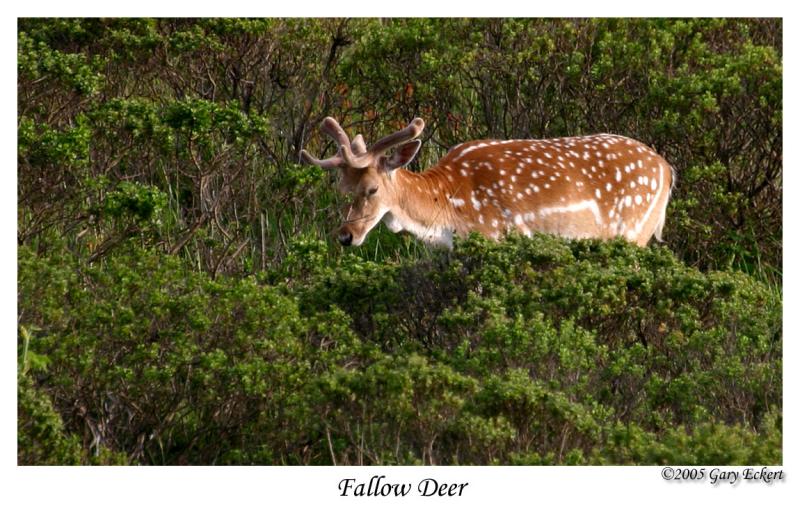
403, 154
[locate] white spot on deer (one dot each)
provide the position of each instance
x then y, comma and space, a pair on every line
590, 205
597, 193
471, 148
608, 187
638, 199
457, 202
518, 219
475, 203
627, 201
654, 184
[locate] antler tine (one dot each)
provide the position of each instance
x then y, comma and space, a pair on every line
404, 135
358, 145
332, 128
328, 163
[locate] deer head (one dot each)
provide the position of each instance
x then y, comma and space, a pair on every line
367, 174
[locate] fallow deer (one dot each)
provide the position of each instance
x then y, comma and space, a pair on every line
598, 186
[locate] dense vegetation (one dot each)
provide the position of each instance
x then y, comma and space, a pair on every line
180, 299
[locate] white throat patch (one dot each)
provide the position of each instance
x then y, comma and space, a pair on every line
434, 235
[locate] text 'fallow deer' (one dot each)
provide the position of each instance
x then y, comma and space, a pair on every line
598, 186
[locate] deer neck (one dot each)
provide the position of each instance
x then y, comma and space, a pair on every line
422, 206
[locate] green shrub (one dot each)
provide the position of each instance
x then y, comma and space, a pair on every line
527, 351
40, 433
214, 113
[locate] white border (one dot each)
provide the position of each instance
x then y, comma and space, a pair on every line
404, 8
236, 491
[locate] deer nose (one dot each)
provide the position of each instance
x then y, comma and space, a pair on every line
345, 238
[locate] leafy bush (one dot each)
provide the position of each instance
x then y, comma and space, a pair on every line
528, 351
213, 113
40, 432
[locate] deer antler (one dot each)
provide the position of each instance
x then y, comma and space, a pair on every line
345, 153
328, 163
358, 145
404, 135
356, 154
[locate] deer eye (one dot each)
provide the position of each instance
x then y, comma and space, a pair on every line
372, 190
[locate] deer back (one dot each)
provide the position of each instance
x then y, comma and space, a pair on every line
600, 186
